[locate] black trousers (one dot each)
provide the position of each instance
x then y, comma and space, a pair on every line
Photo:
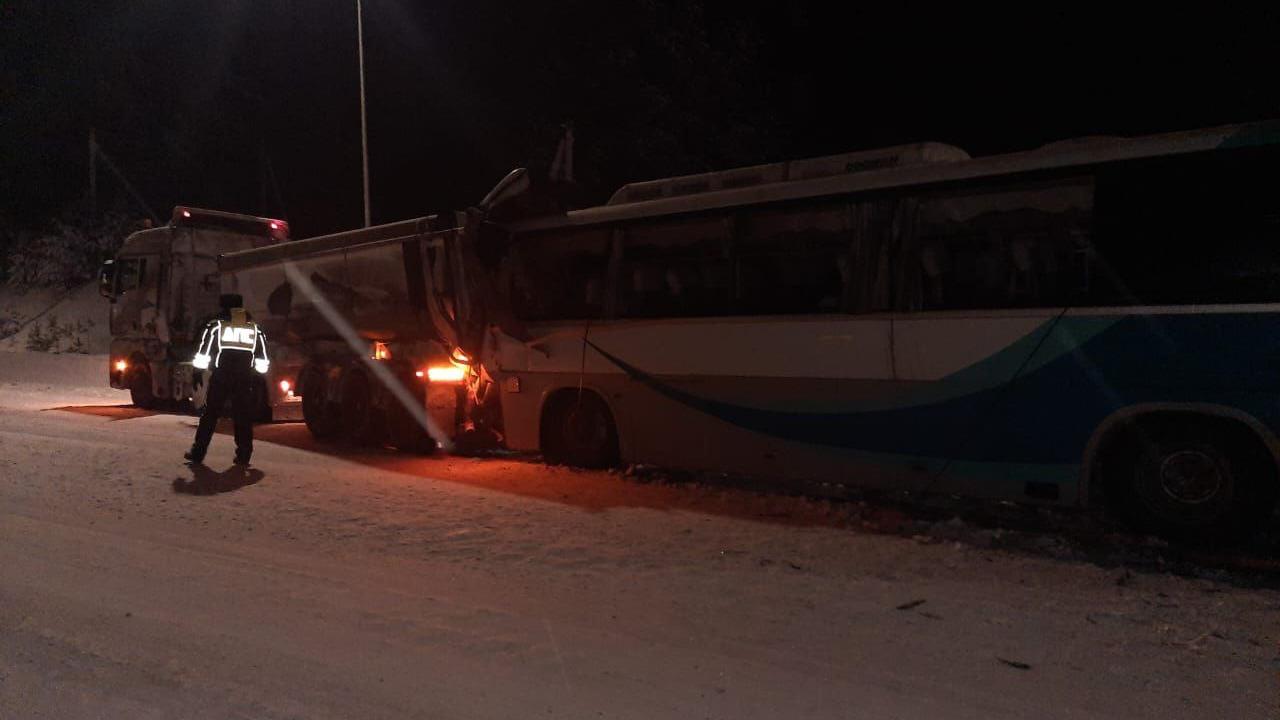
234, 380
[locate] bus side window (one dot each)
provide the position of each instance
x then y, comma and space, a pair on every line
1198, 228
793, 259
560, 275
1006, 247
676, 268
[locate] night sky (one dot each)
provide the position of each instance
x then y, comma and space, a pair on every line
252, 105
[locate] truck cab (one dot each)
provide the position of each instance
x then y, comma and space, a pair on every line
163, 286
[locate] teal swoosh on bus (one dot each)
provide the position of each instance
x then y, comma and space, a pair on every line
990, 372
1263, 133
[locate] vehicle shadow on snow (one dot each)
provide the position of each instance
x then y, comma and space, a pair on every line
111, 412
1060, 534
207, 481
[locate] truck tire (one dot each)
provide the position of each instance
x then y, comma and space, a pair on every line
141, 390
262, 401
362, 423
408, 436
318, 413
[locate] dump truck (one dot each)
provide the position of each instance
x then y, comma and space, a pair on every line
373, 331
163, 286
353, 320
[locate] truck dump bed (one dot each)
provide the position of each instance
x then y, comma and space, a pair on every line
376, 278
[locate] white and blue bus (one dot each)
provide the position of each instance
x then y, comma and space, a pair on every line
1097, 319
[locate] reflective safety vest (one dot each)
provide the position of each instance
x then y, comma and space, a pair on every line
240, 336
234, 336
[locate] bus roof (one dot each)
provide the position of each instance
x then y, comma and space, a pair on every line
844, 164
946, 165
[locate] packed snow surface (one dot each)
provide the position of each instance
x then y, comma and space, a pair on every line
334, 583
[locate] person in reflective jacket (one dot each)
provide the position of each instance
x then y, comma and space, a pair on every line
235, 348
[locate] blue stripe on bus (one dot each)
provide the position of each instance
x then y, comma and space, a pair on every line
1262, 133
1087, 369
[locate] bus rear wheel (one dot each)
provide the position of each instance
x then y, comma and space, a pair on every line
578, 430
1206, 480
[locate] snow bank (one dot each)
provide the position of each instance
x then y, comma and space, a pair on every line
32, 380
81, 313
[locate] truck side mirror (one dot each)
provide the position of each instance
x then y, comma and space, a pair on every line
107, 280
516, 182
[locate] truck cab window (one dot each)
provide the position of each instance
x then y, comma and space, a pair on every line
131, 273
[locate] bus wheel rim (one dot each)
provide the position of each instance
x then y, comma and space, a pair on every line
1190, 477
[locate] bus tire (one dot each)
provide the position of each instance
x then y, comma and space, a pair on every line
360, 420
1202, 479
141, 391
317, 412
578, 430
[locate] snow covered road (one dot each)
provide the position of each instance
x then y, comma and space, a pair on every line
374, 585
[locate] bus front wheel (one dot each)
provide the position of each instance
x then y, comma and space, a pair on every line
1208, 480
578, 430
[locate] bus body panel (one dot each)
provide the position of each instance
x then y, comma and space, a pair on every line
973, 327
1024, 413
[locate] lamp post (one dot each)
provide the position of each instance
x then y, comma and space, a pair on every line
364, 129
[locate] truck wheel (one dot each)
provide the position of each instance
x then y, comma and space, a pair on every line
360, 420
1192, 480
262, 401
578, 430
140, 388
404, 431
319, 414
409, 436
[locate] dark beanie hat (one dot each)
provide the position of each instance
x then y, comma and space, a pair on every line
230, 301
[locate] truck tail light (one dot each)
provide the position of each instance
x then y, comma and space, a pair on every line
446, 374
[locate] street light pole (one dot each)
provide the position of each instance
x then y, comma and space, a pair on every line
364, 128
